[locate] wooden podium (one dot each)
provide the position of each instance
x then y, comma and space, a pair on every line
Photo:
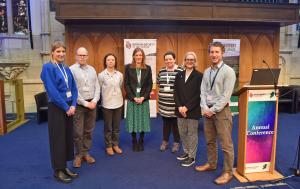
257, 134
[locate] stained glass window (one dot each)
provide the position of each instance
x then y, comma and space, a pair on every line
52, 5
20, 16
3, 17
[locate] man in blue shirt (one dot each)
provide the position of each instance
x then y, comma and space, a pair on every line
216, 89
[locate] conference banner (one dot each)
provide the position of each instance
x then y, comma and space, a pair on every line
260, 130
149, 47
232, 58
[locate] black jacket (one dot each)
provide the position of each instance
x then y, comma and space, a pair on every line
131, 82
188, 94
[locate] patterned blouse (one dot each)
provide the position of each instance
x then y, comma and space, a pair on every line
166, 80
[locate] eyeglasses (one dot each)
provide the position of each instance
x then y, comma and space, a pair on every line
189, 60
82, 55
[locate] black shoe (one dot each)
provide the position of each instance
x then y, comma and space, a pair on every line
188, 162
62, 177
70, 173
182, 157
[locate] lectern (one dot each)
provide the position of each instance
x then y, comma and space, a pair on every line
257, 133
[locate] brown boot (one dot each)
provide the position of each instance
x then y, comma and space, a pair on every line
89, 159
109, 151
77, 162
205, 167
117, 149
224, 178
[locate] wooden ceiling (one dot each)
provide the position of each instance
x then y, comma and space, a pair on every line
97, 11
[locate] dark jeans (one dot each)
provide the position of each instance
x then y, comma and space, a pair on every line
170, 124
112, 119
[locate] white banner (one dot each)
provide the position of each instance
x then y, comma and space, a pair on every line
232, 53
149, 47
232, 59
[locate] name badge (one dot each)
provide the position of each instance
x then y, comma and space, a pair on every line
168, 88
69, 94
209, 97
138, 90
85, 89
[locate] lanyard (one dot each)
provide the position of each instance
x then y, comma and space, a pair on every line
138, 73
114, 77
64, 74
168, 79
213, 81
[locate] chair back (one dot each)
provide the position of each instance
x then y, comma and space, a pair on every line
41, 100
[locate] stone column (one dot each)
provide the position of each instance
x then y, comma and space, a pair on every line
45, 30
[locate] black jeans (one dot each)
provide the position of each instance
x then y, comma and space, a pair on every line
170, 124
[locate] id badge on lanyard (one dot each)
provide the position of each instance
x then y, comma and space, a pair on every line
69, 94
167, 88
65, 76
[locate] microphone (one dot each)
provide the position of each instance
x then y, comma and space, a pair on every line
274, 80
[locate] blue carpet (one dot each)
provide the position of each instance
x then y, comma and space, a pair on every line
25, 163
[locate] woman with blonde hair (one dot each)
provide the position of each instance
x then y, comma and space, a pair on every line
62, 97
188, 111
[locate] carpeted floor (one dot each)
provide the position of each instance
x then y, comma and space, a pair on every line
25, 163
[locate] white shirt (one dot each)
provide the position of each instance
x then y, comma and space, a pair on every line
111, 89
86, 82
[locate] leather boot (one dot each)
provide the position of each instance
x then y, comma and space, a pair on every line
141, 142
62, 177
134, 142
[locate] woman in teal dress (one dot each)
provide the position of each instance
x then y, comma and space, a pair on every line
138, 86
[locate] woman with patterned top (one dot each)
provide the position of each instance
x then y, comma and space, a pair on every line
138, 86
111, 81
166, 103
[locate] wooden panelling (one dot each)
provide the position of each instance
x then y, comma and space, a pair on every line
187, 10
257, 45
246, 56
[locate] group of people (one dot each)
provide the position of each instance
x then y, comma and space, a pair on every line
184, 95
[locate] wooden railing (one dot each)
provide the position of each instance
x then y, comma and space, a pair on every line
20, 110
3, 128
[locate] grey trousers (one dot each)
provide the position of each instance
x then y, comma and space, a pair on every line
112, 119
188, 131
220, 126
84, 124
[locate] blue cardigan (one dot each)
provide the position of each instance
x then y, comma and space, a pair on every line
56, 86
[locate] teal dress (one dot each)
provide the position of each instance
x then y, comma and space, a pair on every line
138, 115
